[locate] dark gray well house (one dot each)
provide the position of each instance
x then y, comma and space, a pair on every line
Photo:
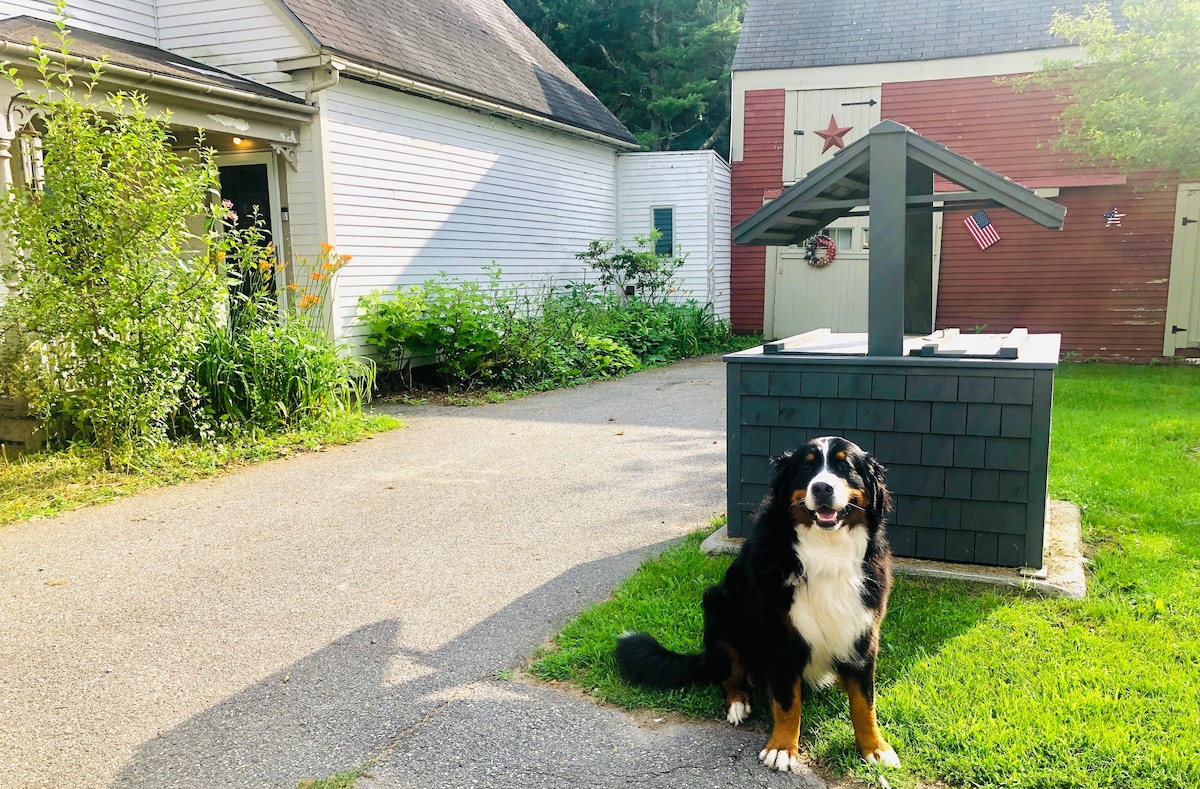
961, 420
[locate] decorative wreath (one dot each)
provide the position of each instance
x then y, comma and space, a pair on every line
812, 251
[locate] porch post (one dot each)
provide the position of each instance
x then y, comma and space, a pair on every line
6, 181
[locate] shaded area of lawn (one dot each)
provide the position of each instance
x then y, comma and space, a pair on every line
991, 689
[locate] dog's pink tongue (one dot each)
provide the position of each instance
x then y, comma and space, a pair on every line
826, 515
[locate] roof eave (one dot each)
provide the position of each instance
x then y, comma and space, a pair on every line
370, 72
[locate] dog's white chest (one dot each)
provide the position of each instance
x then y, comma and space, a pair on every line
827, 608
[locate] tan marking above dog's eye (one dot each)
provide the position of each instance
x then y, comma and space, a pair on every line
810, 457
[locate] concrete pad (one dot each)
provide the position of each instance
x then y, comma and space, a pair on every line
1062, 576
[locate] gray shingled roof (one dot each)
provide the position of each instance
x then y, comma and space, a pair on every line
120, 52
805, 33
479, 47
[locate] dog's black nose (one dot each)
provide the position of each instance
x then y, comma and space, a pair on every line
821, 490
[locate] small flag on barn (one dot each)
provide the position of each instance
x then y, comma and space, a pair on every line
1113, 218
981, 229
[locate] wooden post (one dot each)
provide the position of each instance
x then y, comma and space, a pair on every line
885, 281
918, 256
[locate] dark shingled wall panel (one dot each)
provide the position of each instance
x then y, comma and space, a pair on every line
966, 448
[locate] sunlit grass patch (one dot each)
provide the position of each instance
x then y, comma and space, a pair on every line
986, 688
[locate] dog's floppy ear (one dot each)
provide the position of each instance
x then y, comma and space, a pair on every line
881, 498
780, 468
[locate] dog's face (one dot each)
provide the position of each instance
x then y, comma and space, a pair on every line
829, 483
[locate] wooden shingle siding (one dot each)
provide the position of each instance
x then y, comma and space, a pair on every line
1103, 289
244, 37
759, 173
132, 20
421, 187
966, 449
693, 183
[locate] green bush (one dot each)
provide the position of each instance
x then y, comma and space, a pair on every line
110, 292
455, 325
648, 273
489, 335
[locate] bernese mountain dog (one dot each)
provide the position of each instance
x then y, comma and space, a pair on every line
801, 603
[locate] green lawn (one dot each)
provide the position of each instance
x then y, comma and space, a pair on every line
992, 689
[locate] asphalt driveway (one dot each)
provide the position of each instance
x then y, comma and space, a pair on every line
300, 617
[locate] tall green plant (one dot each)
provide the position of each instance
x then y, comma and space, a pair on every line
266, 366
106, 276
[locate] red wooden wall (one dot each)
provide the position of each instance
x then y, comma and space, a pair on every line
1104, 289
758, 174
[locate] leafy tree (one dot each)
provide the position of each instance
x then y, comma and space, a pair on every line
661, 66
1135, 102
108, 290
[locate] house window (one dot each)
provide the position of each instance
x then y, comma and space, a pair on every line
840, 236
663, 219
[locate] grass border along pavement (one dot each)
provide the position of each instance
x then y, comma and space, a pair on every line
988, 688
45, 484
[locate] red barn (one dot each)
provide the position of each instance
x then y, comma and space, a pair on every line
1120, 282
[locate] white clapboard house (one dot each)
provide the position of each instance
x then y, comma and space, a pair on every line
417, 136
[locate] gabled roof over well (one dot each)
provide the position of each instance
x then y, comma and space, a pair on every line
781, 34
478, 47
841, 187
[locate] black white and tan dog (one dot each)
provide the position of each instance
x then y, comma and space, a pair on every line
801, 604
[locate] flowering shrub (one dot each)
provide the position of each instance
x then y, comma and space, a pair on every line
266, 367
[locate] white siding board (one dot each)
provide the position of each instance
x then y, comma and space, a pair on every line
696, 185
302, 201
421, 187
133, 20
244, 37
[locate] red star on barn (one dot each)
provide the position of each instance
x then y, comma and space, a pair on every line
833, 135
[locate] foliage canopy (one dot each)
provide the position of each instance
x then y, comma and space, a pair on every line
1135, 102
661, 66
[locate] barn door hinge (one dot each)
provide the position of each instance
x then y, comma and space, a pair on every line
870, 103
1186, 221
1178, 329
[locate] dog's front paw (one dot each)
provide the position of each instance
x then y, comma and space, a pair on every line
883, 755
784, 760
738, 711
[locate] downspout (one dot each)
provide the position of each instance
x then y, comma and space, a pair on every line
333, 75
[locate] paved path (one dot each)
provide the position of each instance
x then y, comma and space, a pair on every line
300, 617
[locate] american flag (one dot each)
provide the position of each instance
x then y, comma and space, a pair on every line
1113, 217
981, 229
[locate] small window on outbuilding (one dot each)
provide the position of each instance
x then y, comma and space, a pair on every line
663, 218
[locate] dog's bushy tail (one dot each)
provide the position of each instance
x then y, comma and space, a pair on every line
644, 661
